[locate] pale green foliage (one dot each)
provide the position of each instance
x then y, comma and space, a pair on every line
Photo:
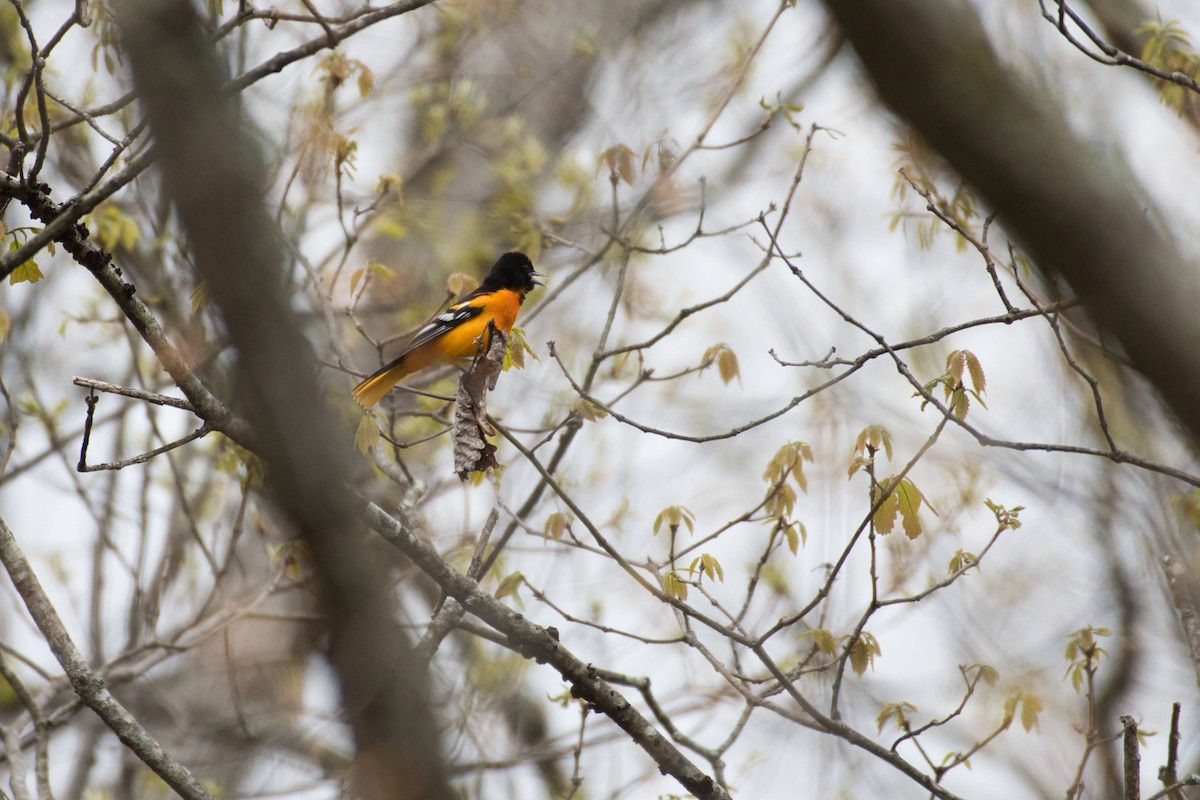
796, 534
587, 410
789, 111
895, 497
675, 586
984, 672
1027, 704
1169, 48
445, 105
1008, 518
822, 639
1083, 655
372, 268
870, 441
895, 711
510, 587
706, 564
664, 151
963, 379
114, 229
673, 517
557, 524
725, 359
108, 41
918, 165
780, 502
619, 160
27, 271
232, 459
516, 350
788, 461
961, 560
336, 69
367, 434
199, 297
292, 554
863, 653
904, 500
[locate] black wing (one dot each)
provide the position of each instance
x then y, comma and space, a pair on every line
449, 319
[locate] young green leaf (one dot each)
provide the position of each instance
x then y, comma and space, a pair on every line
366, 436
987, 674
863, 653
510, 586
909, 499
707, 565
725, 359
557, 524
620, 161
885, 516
796, 535
961, 560
789, 461
897, 711
1029, 707
1005, 517
383, 271
822, 639
587, 410
781, 501
673, 517
872, 439
26, 271
514, 354
675, 586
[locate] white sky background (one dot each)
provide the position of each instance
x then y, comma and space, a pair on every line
840, 224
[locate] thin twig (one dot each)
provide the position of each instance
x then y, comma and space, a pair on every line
137, 394
204, 429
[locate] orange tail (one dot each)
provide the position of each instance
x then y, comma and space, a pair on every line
372, 390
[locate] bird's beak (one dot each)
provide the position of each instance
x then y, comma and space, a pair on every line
536, 282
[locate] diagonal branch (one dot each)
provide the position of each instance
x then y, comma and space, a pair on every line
541, 645
87, 684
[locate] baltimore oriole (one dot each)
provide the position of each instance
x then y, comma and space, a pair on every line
454, 333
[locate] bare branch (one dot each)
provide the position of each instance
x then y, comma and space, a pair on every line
541, 645
89, 686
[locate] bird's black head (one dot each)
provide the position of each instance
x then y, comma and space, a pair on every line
511, 271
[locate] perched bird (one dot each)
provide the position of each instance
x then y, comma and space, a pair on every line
453, 333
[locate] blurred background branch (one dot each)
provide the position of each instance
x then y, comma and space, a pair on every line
212, 174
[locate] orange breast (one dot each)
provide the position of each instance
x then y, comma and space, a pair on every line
502, 307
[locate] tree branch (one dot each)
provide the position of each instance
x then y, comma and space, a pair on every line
89, 686
541, 645
212, 173
1077, 208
